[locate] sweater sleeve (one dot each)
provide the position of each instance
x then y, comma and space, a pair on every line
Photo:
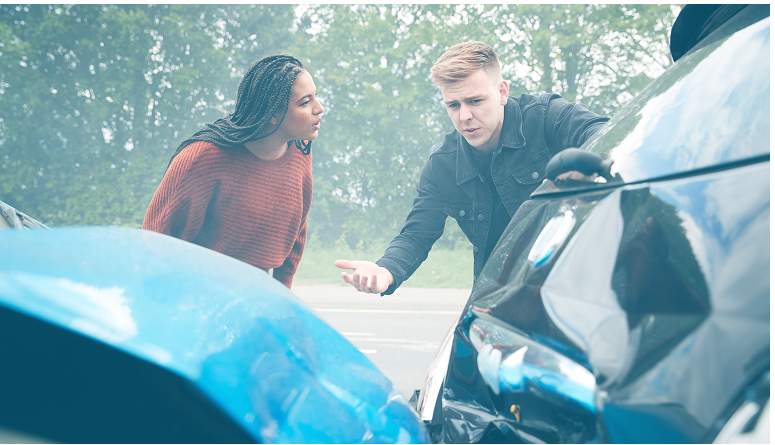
180, 203
284, 273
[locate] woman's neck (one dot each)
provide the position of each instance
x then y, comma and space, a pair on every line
267, 149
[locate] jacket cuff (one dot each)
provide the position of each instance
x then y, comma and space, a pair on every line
591, 131
395, 270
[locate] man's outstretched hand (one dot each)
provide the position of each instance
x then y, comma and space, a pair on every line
366, 277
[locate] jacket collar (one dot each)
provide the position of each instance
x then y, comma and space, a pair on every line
511, 138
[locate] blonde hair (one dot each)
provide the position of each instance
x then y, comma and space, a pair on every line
463, 60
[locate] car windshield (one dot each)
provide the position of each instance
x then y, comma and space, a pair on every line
709, 108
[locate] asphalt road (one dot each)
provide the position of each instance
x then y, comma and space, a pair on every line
399, 333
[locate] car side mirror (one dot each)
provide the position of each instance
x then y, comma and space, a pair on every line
10, 218
576, 159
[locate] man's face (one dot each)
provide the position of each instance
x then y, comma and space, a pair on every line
475, 105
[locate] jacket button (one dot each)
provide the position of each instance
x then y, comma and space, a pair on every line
476, 249
462, 213
480, 217
535, 175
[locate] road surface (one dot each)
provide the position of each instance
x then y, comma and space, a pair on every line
399, 333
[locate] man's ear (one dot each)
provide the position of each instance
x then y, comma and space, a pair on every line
503, 90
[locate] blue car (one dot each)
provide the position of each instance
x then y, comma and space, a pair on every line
119, 335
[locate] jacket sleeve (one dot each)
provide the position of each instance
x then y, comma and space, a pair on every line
569, 124
424, 225
180, 203
284, 273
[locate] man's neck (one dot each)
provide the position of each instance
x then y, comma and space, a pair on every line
485, 150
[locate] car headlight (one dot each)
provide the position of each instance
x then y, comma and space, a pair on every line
429, 394
512, 363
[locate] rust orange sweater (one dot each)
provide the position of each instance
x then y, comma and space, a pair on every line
233, 202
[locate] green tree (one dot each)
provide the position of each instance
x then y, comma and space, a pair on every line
372, 63
95, 98
601, 55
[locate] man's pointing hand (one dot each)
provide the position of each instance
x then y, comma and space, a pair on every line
366, 277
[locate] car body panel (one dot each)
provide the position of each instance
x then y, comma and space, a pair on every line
652, 269
219, 327
710, 108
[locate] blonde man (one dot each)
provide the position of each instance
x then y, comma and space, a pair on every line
481, 172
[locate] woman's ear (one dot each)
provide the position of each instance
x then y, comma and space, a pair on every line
278, 115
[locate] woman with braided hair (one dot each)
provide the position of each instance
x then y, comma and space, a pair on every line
242, 185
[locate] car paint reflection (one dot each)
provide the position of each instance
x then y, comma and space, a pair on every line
227, 332
739, 310
689, 137
663, 306
580, 279
667, 129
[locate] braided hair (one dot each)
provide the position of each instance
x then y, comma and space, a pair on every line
265, 89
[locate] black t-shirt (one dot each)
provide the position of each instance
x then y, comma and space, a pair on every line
500, 216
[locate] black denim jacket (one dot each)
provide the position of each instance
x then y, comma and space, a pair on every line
534, 129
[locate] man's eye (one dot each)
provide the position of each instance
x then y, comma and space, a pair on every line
452, 105
475, 101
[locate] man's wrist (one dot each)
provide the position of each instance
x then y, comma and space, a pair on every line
391, 278
395, 272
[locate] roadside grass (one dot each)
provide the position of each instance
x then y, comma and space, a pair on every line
442, 269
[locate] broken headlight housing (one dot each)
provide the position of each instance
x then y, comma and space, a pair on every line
512, 363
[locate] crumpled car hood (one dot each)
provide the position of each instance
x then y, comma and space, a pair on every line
248, 343
661, 290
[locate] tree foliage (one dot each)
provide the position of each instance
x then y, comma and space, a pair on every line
93, 99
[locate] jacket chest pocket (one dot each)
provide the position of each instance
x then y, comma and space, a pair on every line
464, 214
525, 180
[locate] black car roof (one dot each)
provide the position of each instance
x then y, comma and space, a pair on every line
695, 22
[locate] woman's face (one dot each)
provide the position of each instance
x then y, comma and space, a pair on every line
302, 121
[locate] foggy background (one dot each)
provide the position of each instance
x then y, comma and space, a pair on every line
94, 99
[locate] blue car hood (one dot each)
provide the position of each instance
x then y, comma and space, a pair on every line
245, 340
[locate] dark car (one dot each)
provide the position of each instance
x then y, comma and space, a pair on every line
635, 307
120, 335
